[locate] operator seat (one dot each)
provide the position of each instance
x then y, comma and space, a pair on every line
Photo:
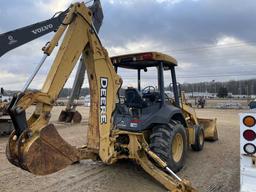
133, 99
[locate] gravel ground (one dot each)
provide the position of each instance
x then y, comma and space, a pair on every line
215, 169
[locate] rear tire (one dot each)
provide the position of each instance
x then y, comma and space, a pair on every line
199, 139
170, 144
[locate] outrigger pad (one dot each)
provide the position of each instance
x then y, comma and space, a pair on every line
47, 152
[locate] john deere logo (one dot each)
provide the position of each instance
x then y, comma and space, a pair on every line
103, 100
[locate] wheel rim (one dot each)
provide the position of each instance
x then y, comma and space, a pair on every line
201, 138
177, 147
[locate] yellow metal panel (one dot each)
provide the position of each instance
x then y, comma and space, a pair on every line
104, 85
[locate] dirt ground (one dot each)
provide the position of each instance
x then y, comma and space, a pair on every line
215, 169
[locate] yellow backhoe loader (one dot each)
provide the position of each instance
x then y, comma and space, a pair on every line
147, 127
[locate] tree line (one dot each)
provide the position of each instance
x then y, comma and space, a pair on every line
239, 87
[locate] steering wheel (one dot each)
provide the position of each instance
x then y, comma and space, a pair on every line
149, 89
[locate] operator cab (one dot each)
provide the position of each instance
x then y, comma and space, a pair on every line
140, 106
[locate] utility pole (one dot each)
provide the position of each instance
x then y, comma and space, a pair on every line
247, 89
240, 89
252, 88
215, 89
192, 90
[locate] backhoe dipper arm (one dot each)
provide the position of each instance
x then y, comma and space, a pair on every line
36, 146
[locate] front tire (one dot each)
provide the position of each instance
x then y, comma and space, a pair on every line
199, 139
170, 144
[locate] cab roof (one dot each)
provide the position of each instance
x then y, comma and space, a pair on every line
143, 60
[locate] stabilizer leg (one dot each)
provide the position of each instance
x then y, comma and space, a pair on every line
160, 171
159, 175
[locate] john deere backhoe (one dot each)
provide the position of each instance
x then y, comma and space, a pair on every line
148, 128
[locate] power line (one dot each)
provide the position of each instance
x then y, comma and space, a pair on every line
228, 45
221, 75
220, 66
212, 56
200, 76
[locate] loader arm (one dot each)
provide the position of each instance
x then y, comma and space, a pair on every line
37, 147
209, 125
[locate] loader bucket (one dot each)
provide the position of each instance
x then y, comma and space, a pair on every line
210, 129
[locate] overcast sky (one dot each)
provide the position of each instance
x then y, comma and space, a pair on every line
211, 39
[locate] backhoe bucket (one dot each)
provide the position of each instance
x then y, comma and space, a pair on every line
210, 129
69, 116
42, 152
